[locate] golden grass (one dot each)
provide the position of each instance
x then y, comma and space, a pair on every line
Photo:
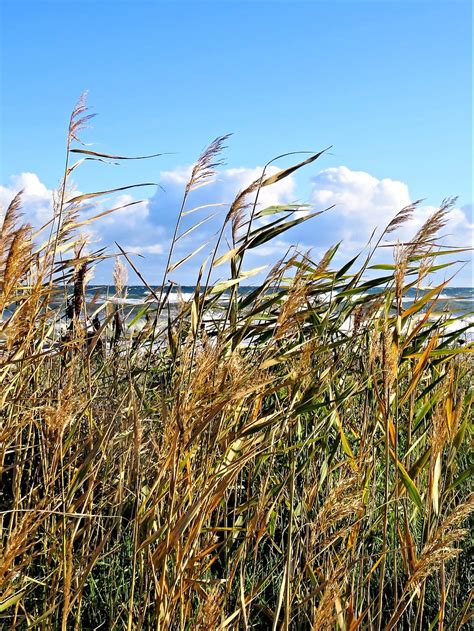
293, 458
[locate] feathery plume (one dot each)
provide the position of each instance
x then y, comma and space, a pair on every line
79, 119
206, 164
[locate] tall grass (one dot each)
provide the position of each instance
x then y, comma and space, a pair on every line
296, 457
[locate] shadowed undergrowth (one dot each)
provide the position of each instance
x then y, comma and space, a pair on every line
293, 457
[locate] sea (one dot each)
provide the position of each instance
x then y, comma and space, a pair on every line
136, 300
457, 300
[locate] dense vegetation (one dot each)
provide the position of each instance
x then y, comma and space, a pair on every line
295, 457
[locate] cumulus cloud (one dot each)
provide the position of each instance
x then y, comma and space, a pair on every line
155, 248
37, 199
217, 197
145, 228
133, 224
227, 184
359, 198
362, 202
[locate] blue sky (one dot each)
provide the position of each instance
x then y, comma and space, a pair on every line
386, 83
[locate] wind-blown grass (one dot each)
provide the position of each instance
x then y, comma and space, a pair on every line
296, 457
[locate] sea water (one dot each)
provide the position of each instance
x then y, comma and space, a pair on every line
457, 300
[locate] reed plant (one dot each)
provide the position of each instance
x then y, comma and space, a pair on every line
291, 457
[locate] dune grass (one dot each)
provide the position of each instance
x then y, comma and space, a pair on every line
296, 457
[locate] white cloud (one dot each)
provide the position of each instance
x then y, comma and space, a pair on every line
132, 224
37, 199
275, 249
361, 201
364, 202
227, 184
156, 248
359, 196
145, 228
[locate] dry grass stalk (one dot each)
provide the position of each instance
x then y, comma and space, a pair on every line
231, 464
